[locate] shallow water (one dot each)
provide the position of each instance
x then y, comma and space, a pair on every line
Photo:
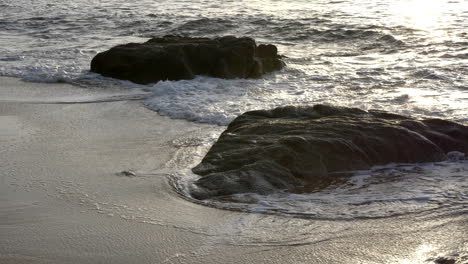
404, 56
437, 189
400, 189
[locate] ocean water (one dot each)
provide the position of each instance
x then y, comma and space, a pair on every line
406, 56
403, 56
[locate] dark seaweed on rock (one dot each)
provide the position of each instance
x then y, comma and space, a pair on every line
290, 147
178, 58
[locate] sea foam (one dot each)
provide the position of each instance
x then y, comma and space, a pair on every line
382, 191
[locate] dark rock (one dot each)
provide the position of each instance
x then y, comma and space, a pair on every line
178, 58
292, 147
127, 173
443, 260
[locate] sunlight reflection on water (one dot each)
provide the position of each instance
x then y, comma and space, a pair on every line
421, 254
367, 53
420, 14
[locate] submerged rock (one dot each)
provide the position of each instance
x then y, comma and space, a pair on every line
292, 147
177, 58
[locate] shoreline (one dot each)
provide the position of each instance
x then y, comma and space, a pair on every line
62, 199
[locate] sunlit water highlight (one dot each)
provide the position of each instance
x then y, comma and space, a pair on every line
408, 57
403, 56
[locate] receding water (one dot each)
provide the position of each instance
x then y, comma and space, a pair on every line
404, 56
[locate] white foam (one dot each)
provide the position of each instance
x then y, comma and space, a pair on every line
205, 99
219, 101
382, 191
46, 73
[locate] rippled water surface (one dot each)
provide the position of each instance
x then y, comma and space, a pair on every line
405, 56
408, 56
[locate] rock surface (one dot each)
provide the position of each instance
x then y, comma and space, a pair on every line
291, 147
177, 58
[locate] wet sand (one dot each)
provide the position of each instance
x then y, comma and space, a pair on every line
63, 200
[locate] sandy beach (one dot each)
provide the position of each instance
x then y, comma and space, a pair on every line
63, 198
